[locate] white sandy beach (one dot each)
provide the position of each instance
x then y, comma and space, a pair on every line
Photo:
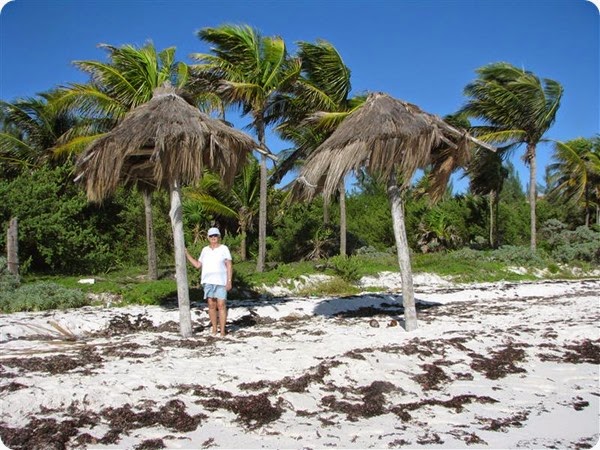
502, 365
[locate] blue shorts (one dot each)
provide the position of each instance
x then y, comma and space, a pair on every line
215, 291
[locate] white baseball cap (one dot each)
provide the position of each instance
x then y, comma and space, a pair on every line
212, 231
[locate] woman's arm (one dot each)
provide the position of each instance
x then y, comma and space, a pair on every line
229, 265
193, 261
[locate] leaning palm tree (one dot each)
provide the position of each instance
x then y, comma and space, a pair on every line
575, 173
164, 144
516, 108
318, 103
127, 80
248, 70
390, 139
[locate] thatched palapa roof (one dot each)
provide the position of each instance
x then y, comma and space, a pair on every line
163, 140
385, 135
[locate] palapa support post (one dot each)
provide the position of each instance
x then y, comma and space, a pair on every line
183, 293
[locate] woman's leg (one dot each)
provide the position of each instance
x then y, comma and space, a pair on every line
222, 307
212, 313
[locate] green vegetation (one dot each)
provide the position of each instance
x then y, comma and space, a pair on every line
508, 263
490, 232
38, 296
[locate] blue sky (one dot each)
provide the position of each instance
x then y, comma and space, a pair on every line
424, 52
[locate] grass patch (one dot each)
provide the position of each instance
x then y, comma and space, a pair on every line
465, 269
157, 292
333, 287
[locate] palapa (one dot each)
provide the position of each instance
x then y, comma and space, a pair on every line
164, 144
162, 140
390, 138
384, 135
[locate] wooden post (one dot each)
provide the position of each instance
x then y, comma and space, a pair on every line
12, 247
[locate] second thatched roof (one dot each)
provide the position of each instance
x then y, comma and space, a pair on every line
386, 135
163, 140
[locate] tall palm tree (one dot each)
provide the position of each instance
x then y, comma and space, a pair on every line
126, 81
576, 173
248, 70
319, 102
516, 107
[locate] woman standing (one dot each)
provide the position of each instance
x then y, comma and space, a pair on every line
217, 270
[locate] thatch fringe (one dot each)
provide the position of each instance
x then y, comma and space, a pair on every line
162, 140
385, 135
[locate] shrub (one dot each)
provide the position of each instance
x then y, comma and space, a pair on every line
583, 244
41, 296
8, 281
348, 268
568, 246
467, 254
518, 255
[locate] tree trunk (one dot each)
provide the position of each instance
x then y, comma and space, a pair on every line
262, 216
326, 209
342, 190
12, 246
492, 223
183, 295
408, 294
243, 246
598, 215
532, 193
150, 241
588, 212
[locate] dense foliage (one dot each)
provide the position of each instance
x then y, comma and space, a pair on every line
59, 231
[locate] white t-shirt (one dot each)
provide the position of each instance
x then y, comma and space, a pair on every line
214, 270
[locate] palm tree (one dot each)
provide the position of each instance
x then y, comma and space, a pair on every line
486, 177
240, 201
390, 139
31, 129
116, 87
516, 108
165, 143
576, 173
203, 203
249, 70
245, 199
319, 102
